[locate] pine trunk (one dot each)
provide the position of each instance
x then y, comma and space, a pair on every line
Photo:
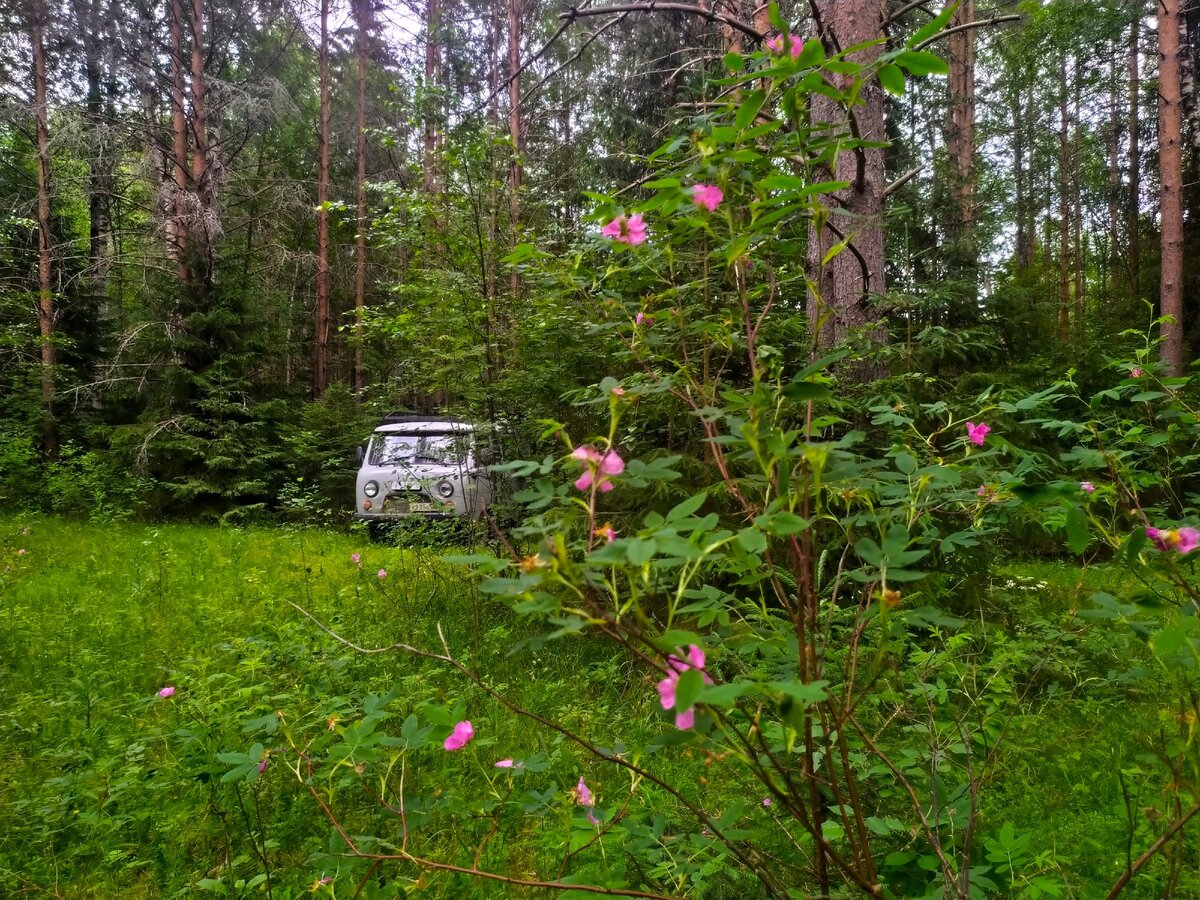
841, 289
1135, 157
320, 377
46, 311
960, 144
1171, 167
514, 133
1064, 211
202, 179
362, 12
177, 224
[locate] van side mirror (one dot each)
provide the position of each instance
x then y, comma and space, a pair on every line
485, 457
360, 453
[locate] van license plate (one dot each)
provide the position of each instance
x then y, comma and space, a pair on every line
422, 507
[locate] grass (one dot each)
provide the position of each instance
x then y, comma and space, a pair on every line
108, 790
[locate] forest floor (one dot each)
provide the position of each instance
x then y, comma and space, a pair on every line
108, 789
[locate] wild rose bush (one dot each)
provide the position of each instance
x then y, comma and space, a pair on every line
764, 612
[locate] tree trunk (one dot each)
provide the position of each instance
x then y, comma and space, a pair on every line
839, 302
1135, 156
320, 375
1080, 261
362, 11
177, 225
46, 311
430, 165
1064, 210
960, 144
514, 133
1114, 171
1171, 168
203, 184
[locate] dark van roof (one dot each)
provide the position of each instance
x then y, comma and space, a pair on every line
401, 418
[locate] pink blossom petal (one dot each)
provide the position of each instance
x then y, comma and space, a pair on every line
460, 736
767, 802
1087, 487
977, 433
635, 229
1187, 539
708, 196
356, 559
586, 454
168, 691
666, 691
613, 228
382, 573
605, 487
506, 764
582, 794
584, 481
612, 464
686, 719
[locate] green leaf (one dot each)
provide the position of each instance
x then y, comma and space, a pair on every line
806, 391
687, 689
723, 695
748, 111
734, 62
687, 507
804, 694
918, 62
929, 29
892, 79
1078, 533
752, 540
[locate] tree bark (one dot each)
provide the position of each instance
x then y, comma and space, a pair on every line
320, 375
206, 225
514, 133
1064, 210
1114, 172
47, 313
432, 138
362, 12
839, 302
1171, 167
1135, 156
960, 143
177, 225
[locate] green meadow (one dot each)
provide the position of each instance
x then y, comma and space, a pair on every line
109, 790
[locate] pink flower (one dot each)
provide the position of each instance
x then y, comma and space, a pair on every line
600, 468
685, 718
626, 229
707, 195
356, 559
977, 433
21, 552
506, 764
984, 490
618, 391
767, 802
382, 573
607, 532
795, 44
1136, 372
460, 736
168, 691
1182, 540
1087, 487
326, 879
643, 319
583, 796
262, 763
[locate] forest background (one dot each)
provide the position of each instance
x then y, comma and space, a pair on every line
761, 306
227, 232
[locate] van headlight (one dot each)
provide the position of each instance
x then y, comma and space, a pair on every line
371, 488
445, 489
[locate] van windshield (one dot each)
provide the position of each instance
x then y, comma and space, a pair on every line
424, 449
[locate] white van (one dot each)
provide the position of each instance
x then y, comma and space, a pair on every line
422, 466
